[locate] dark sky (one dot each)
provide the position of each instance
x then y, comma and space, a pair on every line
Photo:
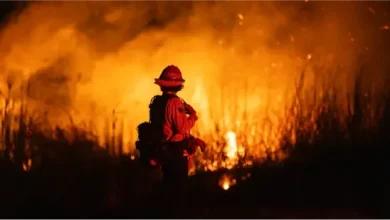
376, 21
6, 7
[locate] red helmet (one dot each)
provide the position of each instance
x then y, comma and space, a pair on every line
170, 77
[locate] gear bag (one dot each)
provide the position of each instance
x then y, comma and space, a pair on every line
144, 143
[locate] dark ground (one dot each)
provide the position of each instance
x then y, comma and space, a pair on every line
340, 186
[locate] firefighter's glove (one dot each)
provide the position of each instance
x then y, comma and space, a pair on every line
189, 109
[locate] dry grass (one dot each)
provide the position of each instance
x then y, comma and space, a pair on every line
309, 118
324, 135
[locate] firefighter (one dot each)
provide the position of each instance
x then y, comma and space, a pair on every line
171, 120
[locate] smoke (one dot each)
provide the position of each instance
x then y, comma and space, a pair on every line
90, 58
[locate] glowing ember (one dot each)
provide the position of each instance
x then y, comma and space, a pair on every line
226, 182
226, 185
246, 177
385, 27
308, 56
27, 165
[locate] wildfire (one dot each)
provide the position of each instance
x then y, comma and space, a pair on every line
27, 165
226, 182
231, 147
98, 76
225, 186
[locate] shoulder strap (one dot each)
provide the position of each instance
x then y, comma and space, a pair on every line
160, 97
157, 102
151, 105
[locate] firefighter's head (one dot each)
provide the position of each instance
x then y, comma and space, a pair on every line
171, 79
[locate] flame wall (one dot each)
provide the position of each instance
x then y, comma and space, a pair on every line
240, 59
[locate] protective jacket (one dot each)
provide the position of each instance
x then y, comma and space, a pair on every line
167, 134
169, 120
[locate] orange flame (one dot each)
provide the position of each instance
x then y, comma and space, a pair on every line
92, 66
226, 182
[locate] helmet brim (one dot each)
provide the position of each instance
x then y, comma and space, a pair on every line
169, 83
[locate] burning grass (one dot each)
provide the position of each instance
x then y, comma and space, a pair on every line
69, 108
312, 114
315, 122
253, 104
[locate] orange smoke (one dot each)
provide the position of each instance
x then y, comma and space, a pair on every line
93, 63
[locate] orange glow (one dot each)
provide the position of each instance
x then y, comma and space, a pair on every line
93, 64
385, 27
27, 165
225, 186
226, 182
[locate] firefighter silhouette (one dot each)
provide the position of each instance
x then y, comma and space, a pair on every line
166, 140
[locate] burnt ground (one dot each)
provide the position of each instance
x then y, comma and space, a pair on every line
349, 184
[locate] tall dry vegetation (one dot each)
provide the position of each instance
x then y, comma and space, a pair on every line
26, 140
82, 68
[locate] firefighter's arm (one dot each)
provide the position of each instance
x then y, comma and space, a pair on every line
176, 113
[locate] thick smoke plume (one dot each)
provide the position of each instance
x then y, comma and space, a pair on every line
88, 59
